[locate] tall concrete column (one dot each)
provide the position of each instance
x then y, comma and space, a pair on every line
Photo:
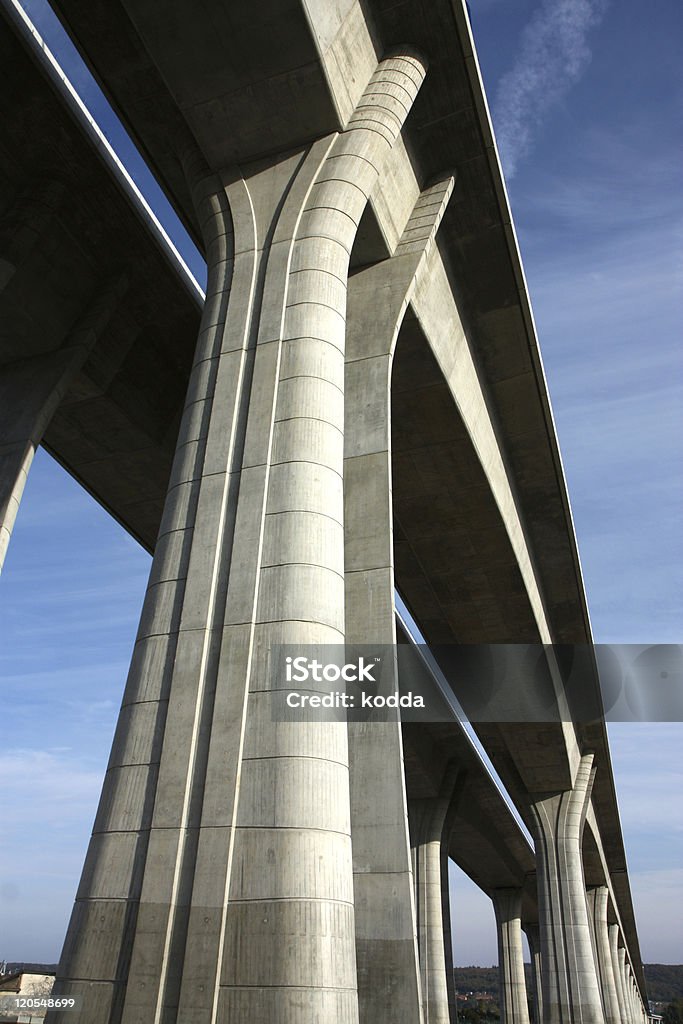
616, 968
629, 993
613, 931
429, 829
570, 981
534, 940
389, 984
624, 985
597, 907
635, 996
31, 390
514, 1006
218, 885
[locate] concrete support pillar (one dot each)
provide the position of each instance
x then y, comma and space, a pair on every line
635, 999
31, 390
534, 940
628, 1018
429, 829
635, 996
616, 969
570, 981
630, 994
219, 881
389, 984
514, 1006
23, 224
597, 907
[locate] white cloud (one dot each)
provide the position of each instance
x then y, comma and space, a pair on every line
552, 57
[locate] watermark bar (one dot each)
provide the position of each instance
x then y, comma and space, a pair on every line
530, 683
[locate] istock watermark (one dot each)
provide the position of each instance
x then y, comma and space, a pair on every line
481, 682
362, 684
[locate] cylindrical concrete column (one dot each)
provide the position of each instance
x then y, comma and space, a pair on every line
597, 906
570, 980
613, 932
429, 842
219, 880
624, 985
514, 1006
630, 988
534, 940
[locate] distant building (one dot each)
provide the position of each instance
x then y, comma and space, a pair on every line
21, 985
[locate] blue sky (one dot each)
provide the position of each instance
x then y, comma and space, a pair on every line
587, 99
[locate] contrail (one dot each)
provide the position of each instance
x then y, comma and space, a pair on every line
552, 57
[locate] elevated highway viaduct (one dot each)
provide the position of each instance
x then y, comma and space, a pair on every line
364, 409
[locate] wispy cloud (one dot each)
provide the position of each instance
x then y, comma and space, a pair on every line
553, 54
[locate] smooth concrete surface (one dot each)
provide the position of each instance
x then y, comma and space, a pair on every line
597, 908
570, 981
514, 1005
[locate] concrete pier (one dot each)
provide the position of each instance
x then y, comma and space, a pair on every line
534, 939
597, 906
211, 825
386, 925
569, 981
430, 822
514, 1007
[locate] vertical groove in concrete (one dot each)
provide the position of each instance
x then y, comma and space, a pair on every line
31, 391
514, 1007
570, 981
597, 906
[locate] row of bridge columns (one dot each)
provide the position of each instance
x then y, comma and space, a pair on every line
579, 968
239, 870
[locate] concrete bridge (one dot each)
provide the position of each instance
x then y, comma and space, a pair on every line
360, 409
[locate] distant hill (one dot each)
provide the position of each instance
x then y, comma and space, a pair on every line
476, 979
664, 982
28, 968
